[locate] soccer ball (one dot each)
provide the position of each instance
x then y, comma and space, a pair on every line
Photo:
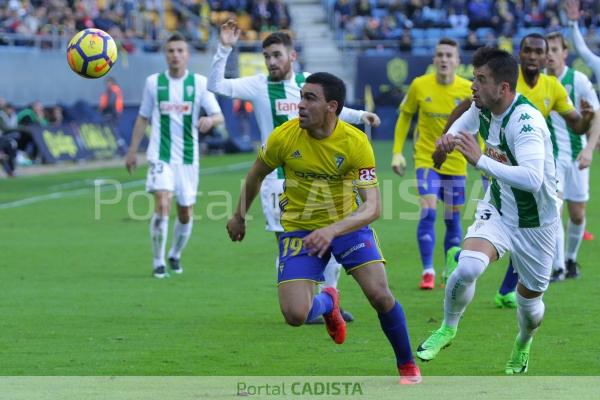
92, 53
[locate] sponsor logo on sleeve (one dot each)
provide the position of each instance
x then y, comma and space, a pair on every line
367, 174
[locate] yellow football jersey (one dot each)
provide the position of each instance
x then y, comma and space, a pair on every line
321, 175
547, 94
434, 103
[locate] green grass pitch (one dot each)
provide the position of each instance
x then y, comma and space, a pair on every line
78, 297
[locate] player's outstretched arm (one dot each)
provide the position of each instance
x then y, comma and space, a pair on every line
573, 13
229, 33
141, 123
318, 241
236, 226
228, 37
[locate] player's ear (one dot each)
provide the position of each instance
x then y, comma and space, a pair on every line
293, 55
332, 106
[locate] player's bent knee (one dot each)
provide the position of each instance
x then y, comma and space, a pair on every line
471, 265
382, 300
294, 317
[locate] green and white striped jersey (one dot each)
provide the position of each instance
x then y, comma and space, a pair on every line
274, 102
517, 136
173, 107
567, 144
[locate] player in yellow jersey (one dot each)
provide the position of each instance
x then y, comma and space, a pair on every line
434, 96
326, 163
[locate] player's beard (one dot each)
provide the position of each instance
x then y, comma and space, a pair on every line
530, 75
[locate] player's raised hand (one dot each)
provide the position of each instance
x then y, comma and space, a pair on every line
205, 124
236, 228
468, 146
399, 164
318, 241
370, 118
572, 9
230, 33
130, 162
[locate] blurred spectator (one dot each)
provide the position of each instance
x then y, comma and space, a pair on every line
535, 16
33, 115
503, 20
362, 8
10, 135
472, 43
457, 18
479, 13
343, 12
111, 101
281, 15
405, 44
55, 115
262, 16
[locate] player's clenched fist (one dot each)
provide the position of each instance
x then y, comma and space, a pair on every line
236, 228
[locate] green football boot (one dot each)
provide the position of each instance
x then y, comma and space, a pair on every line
519, 358
509, 300
438, 340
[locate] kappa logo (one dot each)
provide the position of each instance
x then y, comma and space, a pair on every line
296, 154
547, 102
457, 101
339, 160
427, 99
524, 117
526, 129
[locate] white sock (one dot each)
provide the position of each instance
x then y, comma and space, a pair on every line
159, 226
428, 270
574, 238
461, 285
332, 273
559, 257
181, 235
530, 313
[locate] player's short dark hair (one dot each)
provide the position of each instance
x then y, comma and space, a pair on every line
558, 35
533, 36
279, 37
176, 37
503, 65
448, 41
333, 88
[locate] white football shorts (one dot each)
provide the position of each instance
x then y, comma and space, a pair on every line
181, 179
532, 249
573, 183
269, 197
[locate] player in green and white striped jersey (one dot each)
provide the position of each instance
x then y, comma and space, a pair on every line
519, 212
275, 98
573, 153
171, 102
592, 60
